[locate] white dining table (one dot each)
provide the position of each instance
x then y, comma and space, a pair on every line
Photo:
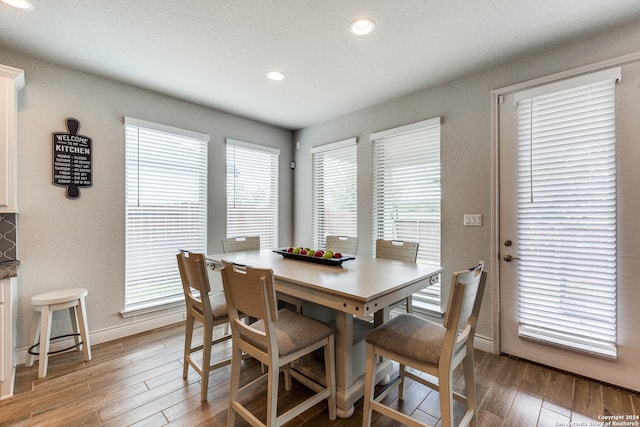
358, 294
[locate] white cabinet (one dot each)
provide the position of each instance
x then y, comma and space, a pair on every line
7, 336
11, 81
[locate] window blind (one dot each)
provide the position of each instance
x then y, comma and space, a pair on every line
407, 193
334, 191
567, 215
252, 192
166, 208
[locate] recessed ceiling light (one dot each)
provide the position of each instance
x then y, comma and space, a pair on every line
362, 26
20, 4
275, 75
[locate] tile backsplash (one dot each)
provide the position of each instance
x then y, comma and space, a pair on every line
8, 236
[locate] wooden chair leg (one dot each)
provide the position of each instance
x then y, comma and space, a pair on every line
330, 372
188, 338
236, 361
206, 359
369, 385
401, 371
287, 377
470, 385
272, 395
446, 398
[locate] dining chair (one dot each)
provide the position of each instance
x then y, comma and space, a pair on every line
342, 244
430, 348
210, 310
400, 251
250, 243
276, 339
240, 243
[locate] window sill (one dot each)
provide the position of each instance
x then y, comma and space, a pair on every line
141, 309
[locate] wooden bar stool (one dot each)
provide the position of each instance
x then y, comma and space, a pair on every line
43, 306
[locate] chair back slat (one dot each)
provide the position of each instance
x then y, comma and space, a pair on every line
464, 289
251, 291
241, 243
397, 250
248, 288
195, 280
342, 244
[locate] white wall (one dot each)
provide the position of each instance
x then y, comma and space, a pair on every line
464, 106
80, 243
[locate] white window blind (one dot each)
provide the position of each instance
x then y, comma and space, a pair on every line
252, 192
567, 214
166, 208
334, 191
406, 193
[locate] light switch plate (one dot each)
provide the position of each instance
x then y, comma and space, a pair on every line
473, 220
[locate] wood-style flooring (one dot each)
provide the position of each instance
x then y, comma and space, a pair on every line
138, 381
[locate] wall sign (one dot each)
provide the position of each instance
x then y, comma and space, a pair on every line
72, 164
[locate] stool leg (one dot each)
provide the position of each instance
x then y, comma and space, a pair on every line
45, 337
34, 336
84, 329
73, 313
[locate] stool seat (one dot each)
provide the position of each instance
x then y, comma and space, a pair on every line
59, 296
43, 306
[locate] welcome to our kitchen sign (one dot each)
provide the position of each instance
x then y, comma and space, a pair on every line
72, 162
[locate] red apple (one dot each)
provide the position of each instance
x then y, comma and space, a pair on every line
290, 249
303, 252
319, 253
337, 255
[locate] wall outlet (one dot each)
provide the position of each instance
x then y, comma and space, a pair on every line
473, 220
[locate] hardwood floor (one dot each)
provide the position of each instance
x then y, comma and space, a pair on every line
138, 381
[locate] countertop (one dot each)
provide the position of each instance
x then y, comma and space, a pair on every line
9, 268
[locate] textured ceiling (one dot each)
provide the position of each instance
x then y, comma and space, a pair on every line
216, 52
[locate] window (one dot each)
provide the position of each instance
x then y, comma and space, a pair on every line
406, 194
567, 213
334, 191
252, 192
166, 208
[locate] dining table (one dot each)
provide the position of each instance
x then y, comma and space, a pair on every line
355, 296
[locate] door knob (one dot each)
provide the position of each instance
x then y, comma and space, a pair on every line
508, 258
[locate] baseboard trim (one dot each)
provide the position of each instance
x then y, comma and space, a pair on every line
116, 332
483, 343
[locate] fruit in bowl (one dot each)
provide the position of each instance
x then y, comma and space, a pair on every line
317, 253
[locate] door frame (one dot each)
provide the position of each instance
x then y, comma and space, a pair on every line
496, 96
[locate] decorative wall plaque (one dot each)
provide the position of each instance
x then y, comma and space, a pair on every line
72, 164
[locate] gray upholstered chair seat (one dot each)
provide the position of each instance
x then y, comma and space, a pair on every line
294, 332
410, 336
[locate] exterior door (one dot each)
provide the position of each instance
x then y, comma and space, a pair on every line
527, 250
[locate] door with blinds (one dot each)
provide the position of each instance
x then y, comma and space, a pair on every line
565, 285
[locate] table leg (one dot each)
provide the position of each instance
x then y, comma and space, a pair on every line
344, 371
350, 360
